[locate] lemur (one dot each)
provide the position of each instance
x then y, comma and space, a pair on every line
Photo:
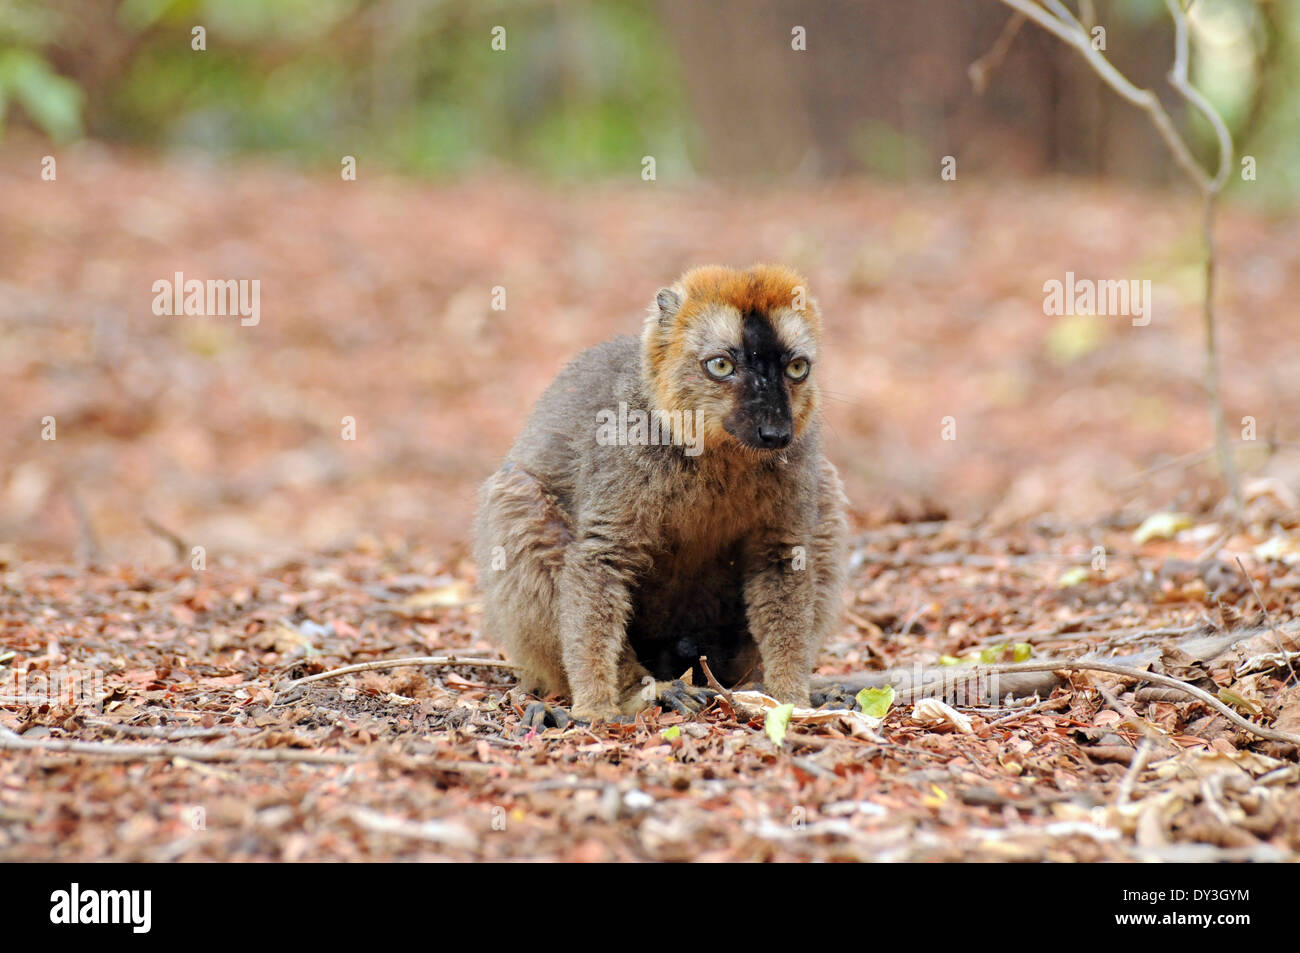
668, 498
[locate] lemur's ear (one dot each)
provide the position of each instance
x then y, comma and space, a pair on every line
669, 302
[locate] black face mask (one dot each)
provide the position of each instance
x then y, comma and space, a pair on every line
762, 418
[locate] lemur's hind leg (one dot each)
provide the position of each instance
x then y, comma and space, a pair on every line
520, 539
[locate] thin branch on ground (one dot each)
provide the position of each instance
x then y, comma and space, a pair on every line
168, 734
1138, 765
1269, 734
712, 682
11, 741
1272, 626
1149, 731
380, 664
1047, 704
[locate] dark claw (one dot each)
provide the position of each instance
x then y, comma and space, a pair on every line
837, 696
686, 699
541, 715
671, 699
534, 715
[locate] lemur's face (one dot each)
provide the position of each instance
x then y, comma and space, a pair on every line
740, 347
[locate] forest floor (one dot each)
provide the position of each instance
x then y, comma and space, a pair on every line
434, 762
177, 432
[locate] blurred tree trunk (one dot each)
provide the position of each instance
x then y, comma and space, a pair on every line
883, 87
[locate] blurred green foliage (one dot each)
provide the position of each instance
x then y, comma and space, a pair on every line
26, 78
584, 87
410, 84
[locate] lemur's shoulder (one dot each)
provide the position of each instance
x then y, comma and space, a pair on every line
564, 419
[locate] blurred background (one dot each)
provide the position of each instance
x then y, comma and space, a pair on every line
811, 133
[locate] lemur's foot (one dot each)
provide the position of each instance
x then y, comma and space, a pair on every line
687, 699
836, 696
541, 715
674, 696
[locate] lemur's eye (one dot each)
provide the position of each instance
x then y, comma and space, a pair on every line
798, 369
719, 367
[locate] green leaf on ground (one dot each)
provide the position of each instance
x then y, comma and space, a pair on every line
776, 723
876, 701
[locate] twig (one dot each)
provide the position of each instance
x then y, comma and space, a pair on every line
1076, 626
170, 734
122, 752
1063, 12
177, 544
1178, 79
1139, 763
1204, 557
1160, 632
1226, 461
1047, 704
1210, 189
863, 623
1148, 730
1062, 24
1272, 627
713, 682
1142, 98
445, 660
980, 71
915, 613
1270, 734
1187, 460
1023, 678
913, 679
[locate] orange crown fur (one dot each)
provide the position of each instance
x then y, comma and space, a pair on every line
761, 288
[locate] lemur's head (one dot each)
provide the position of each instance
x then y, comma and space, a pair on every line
739, 346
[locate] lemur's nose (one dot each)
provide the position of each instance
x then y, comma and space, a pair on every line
773, 436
